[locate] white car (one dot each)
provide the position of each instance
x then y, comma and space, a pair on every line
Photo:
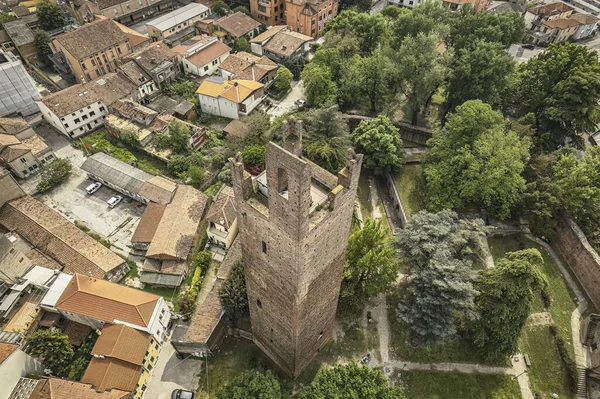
300, 103
114, 200
92, 188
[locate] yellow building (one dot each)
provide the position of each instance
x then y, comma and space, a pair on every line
123, 358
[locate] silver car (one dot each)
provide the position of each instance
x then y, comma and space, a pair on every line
92, 188
114, 200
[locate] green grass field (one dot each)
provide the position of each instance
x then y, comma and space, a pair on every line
409, 182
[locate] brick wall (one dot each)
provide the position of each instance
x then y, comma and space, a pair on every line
583, 260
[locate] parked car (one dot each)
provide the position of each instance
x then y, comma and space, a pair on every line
300, 103
92, 188
114, 200
181, 394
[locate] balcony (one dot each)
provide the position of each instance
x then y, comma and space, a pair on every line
62, 66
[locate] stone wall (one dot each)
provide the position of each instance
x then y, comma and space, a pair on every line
583, 260
395, 195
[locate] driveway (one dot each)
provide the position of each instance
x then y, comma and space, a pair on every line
286, 104
171, 373
70, 199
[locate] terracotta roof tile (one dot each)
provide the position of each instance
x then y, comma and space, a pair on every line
237, 24
228, 90
149, 223
6, 350
270, 32
122, 342
55, 388
223, 210
13, 125
211, 52
106, 301
105, 374
91, 38
240, 65
562, 23
286, 43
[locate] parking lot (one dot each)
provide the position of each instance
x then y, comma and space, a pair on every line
116, 224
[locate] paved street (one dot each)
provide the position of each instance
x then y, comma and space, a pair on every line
171, 373
286, 104
593, 43
378, 6
117, 224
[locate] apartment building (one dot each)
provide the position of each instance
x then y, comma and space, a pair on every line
82, 108
229, 98
90, 51
202, 55
179, 21
269, 12
309, 17
123, 11
158, 61
21, 149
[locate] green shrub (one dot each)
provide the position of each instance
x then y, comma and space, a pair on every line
197, 279
54, 174
187, 302
254, 155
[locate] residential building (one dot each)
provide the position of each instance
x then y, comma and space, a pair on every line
91, 51
269, 12
123, 11
14, 364
22, 150
309, 17
506, 6
82, 108
21, 32
234, 26
588, 25
146, 122
229, 98
259, 41
56, 388
128, 180
222, 219
246, 66
536, 16
136, 39
177, 23
407, 3
286, 44
55, 236
95, 303
294, 247
172, 242
147, 89
554, 31
201, 55
123, 358
13, 262
158, 61
18, 93
477, 5
9, 188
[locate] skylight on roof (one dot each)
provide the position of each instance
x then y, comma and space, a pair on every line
101, 82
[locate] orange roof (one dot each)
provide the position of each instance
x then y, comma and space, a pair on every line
228, 89
122, 342
106, 301
6, 350
55, 388
211, 52
563, 23
105, 374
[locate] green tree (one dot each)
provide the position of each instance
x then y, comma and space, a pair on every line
77, 368
440, 250
187, 303
251, 384
422, 69
295, 64
41, 40
507, 292
254, 155
220, 8
54, 174
178, 164
392, 12
431, 17
326, 140
5, 17
350, 381
468, 27
241, 44
379, 140
369, 29
50, 15
475, 160
242, 9
185, 89
196, 176
53, 348
179, 136
375, 85
480, 72
561, 87
352, 85
257, 124
320, 88
233, 295
283, 79
129, 136
371, 265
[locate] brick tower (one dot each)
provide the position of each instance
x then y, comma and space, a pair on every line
295, 220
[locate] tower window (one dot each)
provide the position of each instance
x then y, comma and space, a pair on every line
264, 247
259, 303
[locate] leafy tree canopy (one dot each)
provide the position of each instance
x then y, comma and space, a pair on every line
283, 79
220, 8
233, 294
41, 40
379, 140
320, 88
53, 347
474, 160
50, 16
54, 174
252, 385
507, 292
369, 29
350, 381
241, 44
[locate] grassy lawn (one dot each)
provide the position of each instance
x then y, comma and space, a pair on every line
441, 385
547, 374
458, 350
409, 185
237, 355
364, 197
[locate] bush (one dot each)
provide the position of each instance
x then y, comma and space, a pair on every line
54, 174
197, 279
218, 160
187, 303
565, 358
196, 176
546, 299
254, 155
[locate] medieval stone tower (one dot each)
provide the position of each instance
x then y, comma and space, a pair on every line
295, 220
